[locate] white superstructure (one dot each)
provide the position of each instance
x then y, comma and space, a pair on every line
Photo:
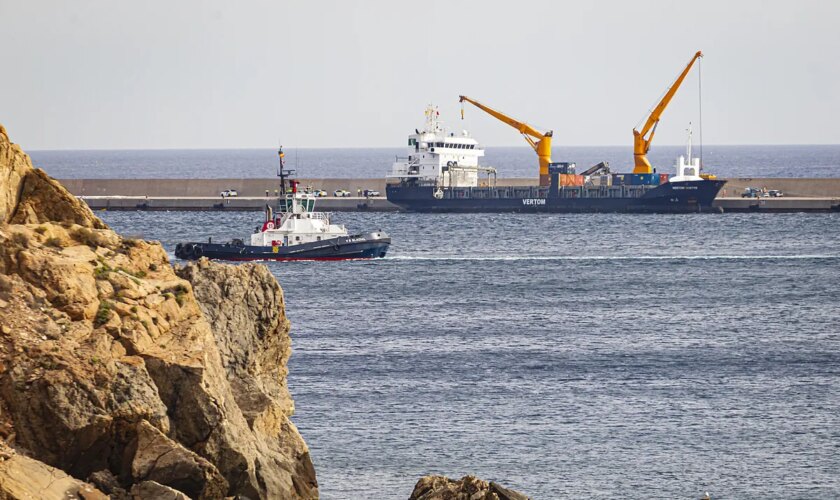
443, 157
296, 224
687, 170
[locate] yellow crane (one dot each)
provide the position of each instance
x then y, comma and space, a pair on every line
641, 145
541, 142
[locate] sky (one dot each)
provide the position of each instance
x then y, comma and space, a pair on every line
100, 74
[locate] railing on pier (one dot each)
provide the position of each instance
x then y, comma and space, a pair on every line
517, 192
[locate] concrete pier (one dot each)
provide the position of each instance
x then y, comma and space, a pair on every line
237, 203
811, 194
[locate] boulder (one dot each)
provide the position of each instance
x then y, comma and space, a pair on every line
24, 478
466, 488
151, 490
158, 459
30, 196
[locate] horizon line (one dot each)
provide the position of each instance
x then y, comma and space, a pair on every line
630, 146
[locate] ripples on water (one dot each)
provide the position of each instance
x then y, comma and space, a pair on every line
566, 356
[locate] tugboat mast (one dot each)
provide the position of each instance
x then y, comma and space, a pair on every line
282, 173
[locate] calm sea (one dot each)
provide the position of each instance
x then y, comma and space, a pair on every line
726, 161
566, 356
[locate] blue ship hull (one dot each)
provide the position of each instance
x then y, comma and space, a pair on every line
671, 197
364, 246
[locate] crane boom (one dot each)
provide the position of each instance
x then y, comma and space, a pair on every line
541, 142
641, 145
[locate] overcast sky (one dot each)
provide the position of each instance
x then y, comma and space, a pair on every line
221, 74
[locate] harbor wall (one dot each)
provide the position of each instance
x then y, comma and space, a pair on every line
791, 187
210, 188
815, 194
239, 203
205, 188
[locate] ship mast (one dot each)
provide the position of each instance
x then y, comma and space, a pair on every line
285, 205
282, 172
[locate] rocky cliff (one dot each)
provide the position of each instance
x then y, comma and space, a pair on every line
121, 376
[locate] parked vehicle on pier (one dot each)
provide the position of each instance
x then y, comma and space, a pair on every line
228, 193
341, 193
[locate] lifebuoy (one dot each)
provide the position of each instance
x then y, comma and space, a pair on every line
269, 225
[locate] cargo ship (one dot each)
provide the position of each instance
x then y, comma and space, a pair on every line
442, 173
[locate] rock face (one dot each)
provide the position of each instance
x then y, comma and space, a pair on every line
110, 370
245, 308
466, 488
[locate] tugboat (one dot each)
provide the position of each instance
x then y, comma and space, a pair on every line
296, 232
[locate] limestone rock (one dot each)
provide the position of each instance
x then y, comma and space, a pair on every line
15, 164
244, 306
466, 488
110, 369
151, 490
24, 478
163, 461
109, 484
29, 195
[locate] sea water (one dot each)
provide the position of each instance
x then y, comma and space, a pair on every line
564, 356
725, 161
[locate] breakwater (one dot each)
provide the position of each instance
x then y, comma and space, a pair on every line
800, 194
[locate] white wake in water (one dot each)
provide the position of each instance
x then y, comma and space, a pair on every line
608, 257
